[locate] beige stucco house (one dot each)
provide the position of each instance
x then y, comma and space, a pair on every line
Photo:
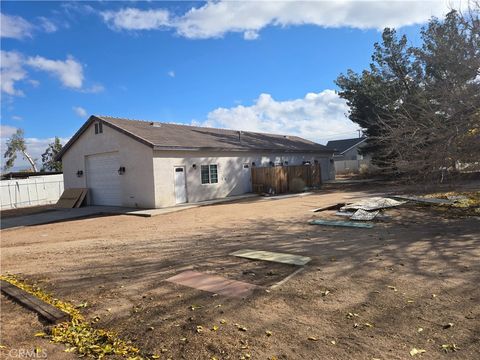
152, 165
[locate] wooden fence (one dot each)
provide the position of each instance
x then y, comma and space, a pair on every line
283, 179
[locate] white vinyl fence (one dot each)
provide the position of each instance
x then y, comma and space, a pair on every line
350, 166
36, 190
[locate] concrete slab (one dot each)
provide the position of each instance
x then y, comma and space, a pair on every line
172, 209
213, 283
272, 256
56, 215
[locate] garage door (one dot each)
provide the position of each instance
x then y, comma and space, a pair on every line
103, 180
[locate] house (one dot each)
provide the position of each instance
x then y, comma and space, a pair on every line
145, 164
347, 157
347, 149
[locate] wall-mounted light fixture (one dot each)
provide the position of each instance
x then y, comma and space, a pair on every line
194, 166
286, 163
79, 173
121, 170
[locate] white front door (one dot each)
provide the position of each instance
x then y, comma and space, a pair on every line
103, 180
246, 178
180, 185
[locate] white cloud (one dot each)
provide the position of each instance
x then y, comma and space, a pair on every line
47, 25
80, 111
11, 70
136, 19
250, 35
171, 73
216, 18
17, 118
69, 71
6, 131
317, 116
15, 27
94, 89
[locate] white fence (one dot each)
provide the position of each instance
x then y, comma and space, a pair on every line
36, 190
350, 166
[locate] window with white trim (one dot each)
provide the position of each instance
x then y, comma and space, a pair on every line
209, 174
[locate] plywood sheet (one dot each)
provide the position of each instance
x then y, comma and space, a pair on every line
70, 197
272, 256
213, 283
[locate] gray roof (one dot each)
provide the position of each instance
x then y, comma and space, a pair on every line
167, 136
340, 146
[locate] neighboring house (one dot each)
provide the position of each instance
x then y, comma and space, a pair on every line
347, 156
347, 149
152, 165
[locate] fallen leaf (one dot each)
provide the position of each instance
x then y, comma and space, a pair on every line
447, 326
420, 329
312, 338
392, 288
194, 307
325, 293
450, 347
368, 325
416, 351
3, 346
242, 328
40, 334
199, 328
150, 328
214, 328
223, 321
268, 333
155, 356
183, 339
333, 342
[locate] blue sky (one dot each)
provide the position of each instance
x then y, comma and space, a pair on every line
266, 66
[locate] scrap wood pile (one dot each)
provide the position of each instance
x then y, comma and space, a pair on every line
373, 208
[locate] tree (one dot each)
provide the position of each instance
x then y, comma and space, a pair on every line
48, 157
16, 143
420, 107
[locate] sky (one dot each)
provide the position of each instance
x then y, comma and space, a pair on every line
266, 66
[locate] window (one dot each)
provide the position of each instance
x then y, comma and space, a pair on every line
209, 174
98, 128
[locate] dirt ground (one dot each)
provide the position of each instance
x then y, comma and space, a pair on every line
417, 269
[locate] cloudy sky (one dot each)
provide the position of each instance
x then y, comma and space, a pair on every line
253, 65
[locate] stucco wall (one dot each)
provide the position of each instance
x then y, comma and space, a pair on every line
233, 179
137, 185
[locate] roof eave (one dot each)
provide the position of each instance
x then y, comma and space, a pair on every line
183, 148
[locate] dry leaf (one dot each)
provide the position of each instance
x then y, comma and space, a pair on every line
447, 326
449, 347
40, 334
392, 288
268, 333
214, 328
312, 338
416, 351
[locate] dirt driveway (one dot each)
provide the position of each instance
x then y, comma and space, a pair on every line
401, 282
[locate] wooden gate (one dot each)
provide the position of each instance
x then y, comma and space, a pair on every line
283, 179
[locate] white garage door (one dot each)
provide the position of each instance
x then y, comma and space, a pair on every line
103, 180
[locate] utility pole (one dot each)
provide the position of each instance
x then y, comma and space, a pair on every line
359, 133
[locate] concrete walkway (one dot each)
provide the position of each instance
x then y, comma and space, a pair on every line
58, 215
